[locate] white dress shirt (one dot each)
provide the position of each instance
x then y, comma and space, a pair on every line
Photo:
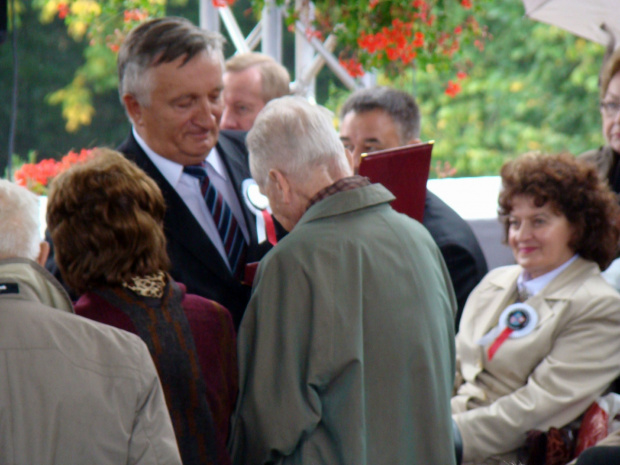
534, 285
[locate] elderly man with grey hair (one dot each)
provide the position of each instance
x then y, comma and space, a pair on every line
346, 349
72, 391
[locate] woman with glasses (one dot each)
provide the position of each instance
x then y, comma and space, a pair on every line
606, 158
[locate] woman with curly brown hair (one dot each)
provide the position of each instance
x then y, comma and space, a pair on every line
105, 217
540, 340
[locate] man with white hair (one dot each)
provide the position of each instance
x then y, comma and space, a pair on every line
71, 391
346, 349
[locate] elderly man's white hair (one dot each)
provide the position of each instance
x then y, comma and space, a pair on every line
294, 136
19, 222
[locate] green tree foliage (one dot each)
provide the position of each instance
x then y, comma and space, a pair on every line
532, 87
47, 59
535, 87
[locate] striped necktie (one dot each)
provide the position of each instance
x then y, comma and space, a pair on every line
225, 221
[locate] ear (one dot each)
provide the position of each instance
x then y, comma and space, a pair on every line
282, 185
133, 107
44, 251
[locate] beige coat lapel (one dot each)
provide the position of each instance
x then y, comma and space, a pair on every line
551, 299
502, 294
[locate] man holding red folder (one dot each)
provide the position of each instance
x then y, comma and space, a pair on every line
382, 118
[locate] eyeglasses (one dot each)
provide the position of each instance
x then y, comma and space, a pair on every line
611, 109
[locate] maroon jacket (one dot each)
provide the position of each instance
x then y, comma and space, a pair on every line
215, 340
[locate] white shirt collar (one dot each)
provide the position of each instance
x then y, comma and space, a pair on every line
215, 160
172, 170
534, 285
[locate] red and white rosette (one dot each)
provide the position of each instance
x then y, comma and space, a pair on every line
258, 204
516, 321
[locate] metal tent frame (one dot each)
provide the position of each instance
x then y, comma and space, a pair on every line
310, 53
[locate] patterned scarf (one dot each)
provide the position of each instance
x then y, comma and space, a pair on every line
162, 324
152, 285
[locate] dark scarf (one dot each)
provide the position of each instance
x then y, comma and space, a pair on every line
163, 326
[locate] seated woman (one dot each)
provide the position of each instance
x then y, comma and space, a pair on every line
105, 218
540, 340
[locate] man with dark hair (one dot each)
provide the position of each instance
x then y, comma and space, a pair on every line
170, 83
381, 118
251, 80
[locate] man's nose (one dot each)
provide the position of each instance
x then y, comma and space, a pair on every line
228, 120
204, 114
217, 108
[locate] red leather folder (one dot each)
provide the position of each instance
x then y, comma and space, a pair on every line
404, 171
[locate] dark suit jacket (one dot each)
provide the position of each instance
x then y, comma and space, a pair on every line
195, 260
458, 245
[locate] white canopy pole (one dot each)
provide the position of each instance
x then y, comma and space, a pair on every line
272, 31
208, 17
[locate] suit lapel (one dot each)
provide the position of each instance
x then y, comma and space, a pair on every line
179, 223
236, 163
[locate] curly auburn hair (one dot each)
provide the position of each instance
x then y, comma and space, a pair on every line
574, 189
105, 217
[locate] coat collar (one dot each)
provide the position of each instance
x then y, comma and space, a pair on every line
556, 289
560, 289
347, 201
34, 283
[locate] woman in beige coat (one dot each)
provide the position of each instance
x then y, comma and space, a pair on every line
540, 340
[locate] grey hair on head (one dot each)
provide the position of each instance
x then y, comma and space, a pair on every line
160, 40
20, 235
295, 136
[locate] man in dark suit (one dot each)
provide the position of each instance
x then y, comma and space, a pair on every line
170, 83
381, 118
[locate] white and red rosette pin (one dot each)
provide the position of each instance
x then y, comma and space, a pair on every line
516, 321
258, 204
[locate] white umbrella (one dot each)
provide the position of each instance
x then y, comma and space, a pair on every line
585, 18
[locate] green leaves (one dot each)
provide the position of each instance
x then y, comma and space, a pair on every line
103, 24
